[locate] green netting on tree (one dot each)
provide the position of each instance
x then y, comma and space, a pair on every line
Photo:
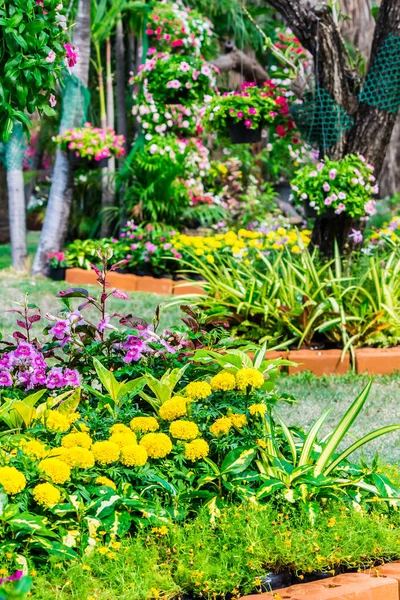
320, 119
75, 103
382, 85
15, 149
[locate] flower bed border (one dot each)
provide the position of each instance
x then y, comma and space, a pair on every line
373, 361
379, 583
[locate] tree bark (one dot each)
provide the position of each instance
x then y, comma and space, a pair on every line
121, 86
4, 220
108, 175
60, 197
238, 61
17, 216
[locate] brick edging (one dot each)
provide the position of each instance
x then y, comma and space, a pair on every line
380, 583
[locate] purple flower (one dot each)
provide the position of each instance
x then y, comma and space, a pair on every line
60, 330
5, 379
72, 377
25, 378
14, 577
38, 362
133, 355
24, 351
105, 324
150, 247
38, 377
55, 378
167, 246
5, 361
356, 235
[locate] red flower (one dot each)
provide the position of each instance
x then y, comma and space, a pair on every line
176, 43
281, 131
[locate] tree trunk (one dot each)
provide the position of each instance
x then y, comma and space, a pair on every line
14, 154
317, 30
121, 86
60, 197
240, 62
4, 220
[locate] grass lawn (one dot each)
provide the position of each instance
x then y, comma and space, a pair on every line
314, 395
5, 250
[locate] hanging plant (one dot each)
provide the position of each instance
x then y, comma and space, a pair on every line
34, 49
243, 113
336, 187
172, 27
176, 118
175, 79
91, 146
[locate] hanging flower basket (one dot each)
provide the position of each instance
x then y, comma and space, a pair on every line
177, 96
78, 161
240, 134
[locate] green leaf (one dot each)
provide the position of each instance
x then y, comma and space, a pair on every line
238, 460
311, 437
107, 379
69, 406
49, 111
3, 502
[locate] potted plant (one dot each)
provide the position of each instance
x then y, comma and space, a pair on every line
90, 146
175, 79
334, 187
243, 113
57, 266
172, 27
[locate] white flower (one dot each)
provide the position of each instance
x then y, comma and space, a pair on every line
156, 117
148, 137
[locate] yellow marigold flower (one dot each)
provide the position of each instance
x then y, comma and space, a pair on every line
46, 494
144, 424
33, 448
56, 469
197, 449
257, 409
81, 427
238, 420
73, 417
56, 452
133, 455
12, 480
82, 458
123, 439
81, 439
296, 249
119, 428
198, 390
262, 443
56, 421
106, 452
184, 430
221, 425
223, 381
106, 481
173, 409
210, 259
157, 445
249, 377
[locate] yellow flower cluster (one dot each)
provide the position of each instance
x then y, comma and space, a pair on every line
57, 470
119, 428
105, 481
105, 452
257, 409
221, 426
173, 409
56, 421
123, 439
196, 450
184, 430
157, 445
198, 390
33, 448
46, 494
133, 455
81, 439
12, 480
238, 420
82, 458
144, 424
242, 243
223, 381
249, 377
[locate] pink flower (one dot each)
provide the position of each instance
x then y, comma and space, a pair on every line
314, 174
341, 207
51, 57
342, 196
174, 84
332, 174
5, 379
176, 43
356, 235
272, 114
52, 100
281, 131
240, 114
248, 123
252, 111
375, 189
362, 158
328, 201
71, 377
151, 51
184, 67
149, 31
326, 187
120, 294
72, 55
369, 207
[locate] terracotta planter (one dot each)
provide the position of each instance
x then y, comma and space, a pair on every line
123, 281
155, 286
319, 362
378, 361
186, 287
350, 586
81, 276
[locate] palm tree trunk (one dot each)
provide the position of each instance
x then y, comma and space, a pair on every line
108, 188
122, 128
60, 197
16, 198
